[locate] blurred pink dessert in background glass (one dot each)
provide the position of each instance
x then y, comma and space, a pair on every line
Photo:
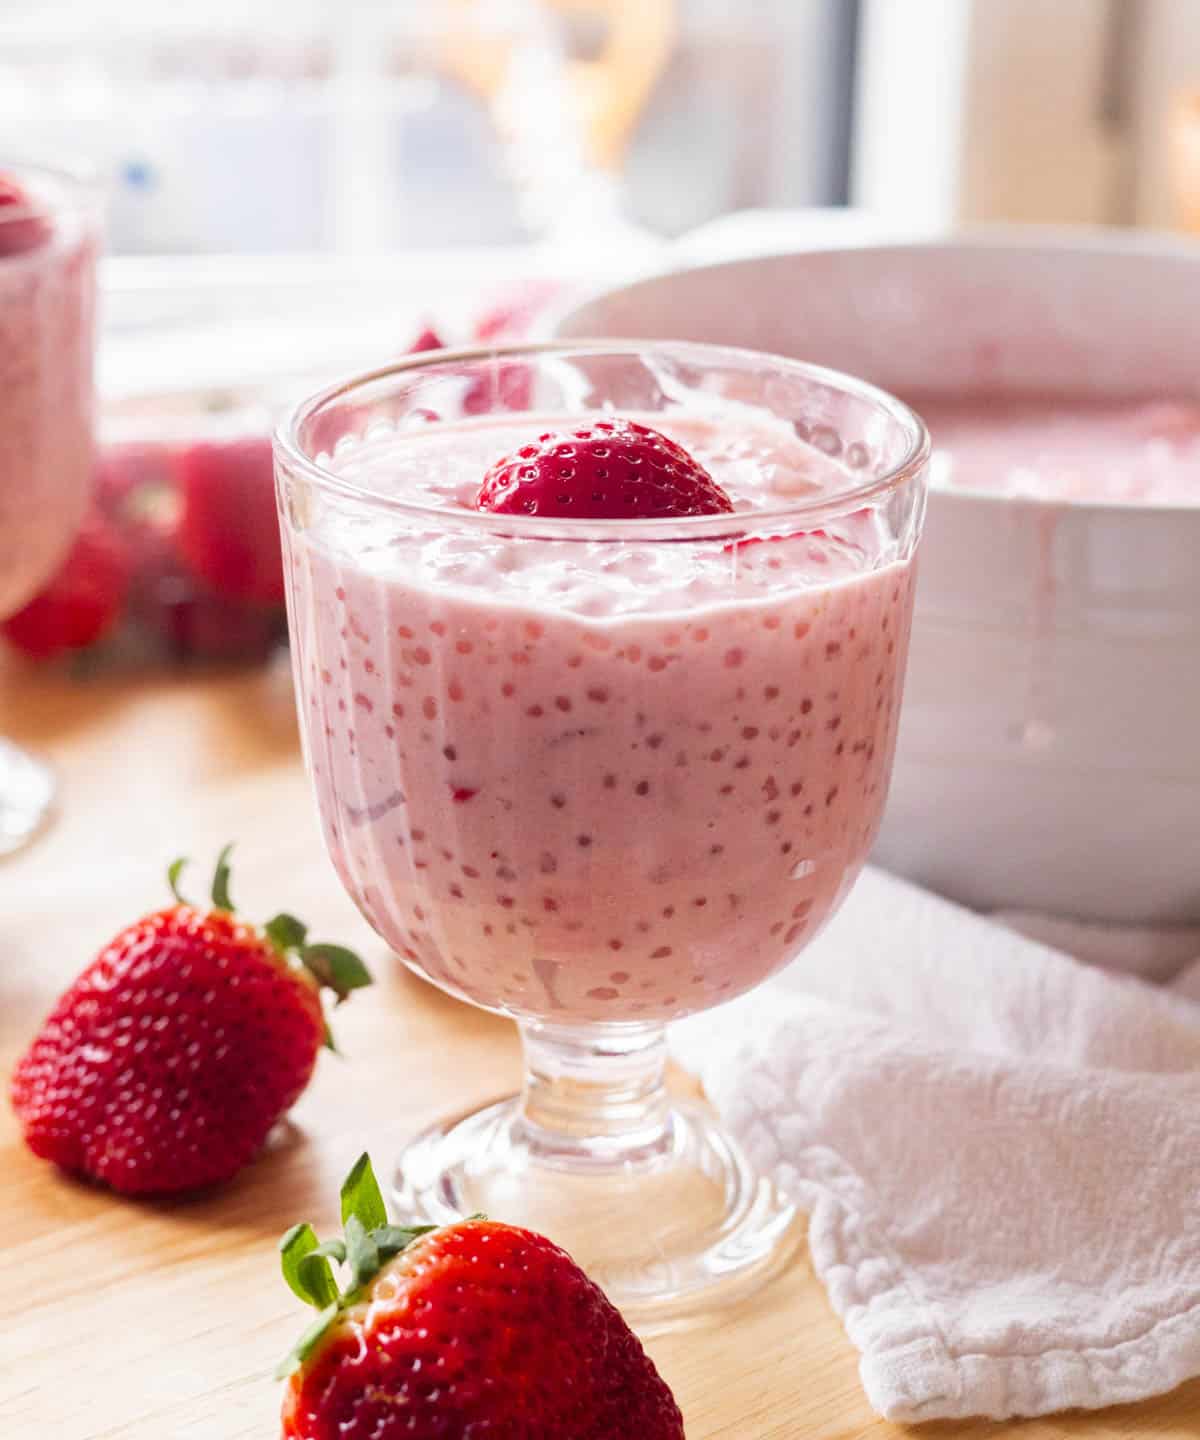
48, 242
49, 233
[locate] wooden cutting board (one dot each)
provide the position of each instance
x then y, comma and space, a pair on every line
162, 1322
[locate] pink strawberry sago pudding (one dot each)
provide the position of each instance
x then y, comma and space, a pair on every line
47, 264
598, 780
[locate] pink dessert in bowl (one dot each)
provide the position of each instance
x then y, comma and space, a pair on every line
600, 701
1122, 450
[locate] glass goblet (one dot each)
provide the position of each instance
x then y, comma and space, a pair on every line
601, 775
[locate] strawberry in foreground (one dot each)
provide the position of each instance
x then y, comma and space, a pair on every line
474, 1330
82, 602
609, 469
165, 1065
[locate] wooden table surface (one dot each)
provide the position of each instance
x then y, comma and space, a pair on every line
123, 1321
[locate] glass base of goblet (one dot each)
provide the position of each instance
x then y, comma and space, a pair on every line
27, 789
668, 1217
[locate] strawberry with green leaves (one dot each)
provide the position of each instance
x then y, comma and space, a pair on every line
475, 1331
167, 1063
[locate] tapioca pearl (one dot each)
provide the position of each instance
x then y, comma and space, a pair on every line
700, 901
456, 890
508, 689
742, 762
801, 629
734, 657
770, 789
716, 755
535, 712
583, 841
506, 902
604, 992
840, 748
470, 872
726, 790
598, 694
558, 800
656, 663
642, 788
668, 912
664, 952
749, 732
834, 723
549, 904
563, 703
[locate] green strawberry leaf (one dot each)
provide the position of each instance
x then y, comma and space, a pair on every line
314, 1271
285, 932
305, 1269
220, 885
392, 1239
174, 871
307, 1343
336, 967
362, 1198
362, 1254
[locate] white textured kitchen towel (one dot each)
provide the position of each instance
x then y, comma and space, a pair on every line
998, 1147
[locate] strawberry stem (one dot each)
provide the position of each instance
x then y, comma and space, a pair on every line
370, 1242
333, 967
174, 871
220, 885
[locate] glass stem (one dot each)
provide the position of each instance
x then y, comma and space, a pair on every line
596, 1094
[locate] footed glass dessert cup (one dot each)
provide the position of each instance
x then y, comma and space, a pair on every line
601, 775
49, 230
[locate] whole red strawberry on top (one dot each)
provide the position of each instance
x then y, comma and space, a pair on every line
471, 1331
610, 469
166, 1064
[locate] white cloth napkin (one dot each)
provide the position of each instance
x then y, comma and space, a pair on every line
998, 1147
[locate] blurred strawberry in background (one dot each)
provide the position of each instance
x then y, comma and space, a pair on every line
82, 602
228, 529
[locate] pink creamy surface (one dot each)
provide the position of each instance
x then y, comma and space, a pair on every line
591, 782
1135, 451
46, 299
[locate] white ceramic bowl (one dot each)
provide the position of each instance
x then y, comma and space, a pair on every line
1049, 755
